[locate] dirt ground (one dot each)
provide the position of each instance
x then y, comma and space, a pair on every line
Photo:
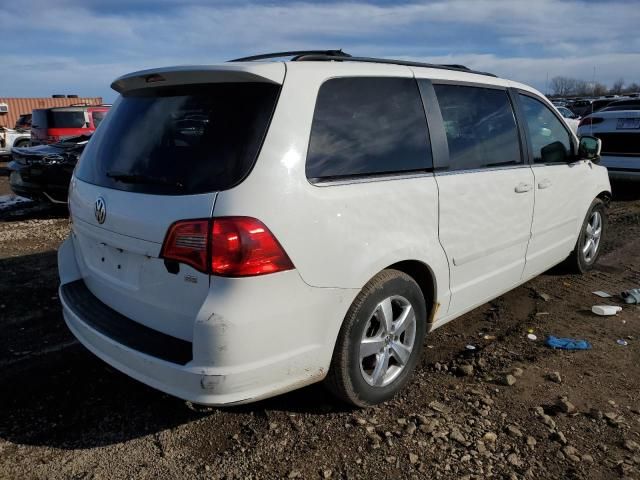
65, 414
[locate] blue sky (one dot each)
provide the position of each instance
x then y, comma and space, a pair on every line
81, 46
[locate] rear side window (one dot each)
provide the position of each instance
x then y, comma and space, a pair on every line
480, 126
368, 126
39, 119
549, 138
180, 140
97, 116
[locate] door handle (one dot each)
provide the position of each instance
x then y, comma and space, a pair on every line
546, 183
523, 187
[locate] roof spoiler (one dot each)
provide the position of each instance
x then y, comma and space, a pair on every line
199, 74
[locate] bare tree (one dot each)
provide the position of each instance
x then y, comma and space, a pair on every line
567, 86
617, 86
599, 89
562, 86
581, 88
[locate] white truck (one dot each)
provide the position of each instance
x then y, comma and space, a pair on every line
10, 138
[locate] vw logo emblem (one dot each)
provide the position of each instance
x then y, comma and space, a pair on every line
100, 210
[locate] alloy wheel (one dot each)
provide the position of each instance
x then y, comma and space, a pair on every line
387, 341
593, 234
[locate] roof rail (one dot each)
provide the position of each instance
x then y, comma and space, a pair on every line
339, 55
409, 63
296, 54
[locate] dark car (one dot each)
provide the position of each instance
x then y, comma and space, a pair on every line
43, 172
580, 107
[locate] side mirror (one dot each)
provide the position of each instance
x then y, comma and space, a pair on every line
589, 148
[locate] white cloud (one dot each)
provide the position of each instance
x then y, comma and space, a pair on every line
72, 44
535, 71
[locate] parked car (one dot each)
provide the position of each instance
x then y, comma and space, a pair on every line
237, 234
10, 139
43, 172
51, 125
570, 118
618, 126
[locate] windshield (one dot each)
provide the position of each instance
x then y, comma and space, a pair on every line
188, 139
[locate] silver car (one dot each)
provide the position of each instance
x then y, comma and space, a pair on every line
618, 126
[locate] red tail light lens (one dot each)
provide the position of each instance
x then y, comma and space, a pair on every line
244, 246
187, 242
590, 121
226, 246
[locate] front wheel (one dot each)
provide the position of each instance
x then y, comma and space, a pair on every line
380, 340
589, 244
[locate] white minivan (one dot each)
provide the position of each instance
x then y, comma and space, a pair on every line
244, 229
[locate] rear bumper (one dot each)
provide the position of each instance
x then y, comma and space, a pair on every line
624, 175
622, 167
236, 357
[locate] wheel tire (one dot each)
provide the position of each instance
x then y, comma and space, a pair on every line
348, 378
579, 261
21, 143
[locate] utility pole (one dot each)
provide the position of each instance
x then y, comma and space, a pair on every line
546, 86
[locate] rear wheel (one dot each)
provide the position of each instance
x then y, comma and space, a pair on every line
380, 341
589, 244
22, 143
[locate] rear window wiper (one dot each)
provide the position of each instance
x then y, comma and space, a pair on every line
141, 178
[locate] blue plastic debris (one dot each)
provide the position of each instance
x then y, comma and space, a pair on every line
567, 343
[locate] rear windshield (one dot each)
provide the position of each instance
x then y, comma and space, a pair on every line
622, 107
24, 121
180, 140
59, 119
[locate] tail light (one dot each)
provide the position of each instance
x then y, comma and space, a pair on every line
187, 242
226, 246
590, 121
